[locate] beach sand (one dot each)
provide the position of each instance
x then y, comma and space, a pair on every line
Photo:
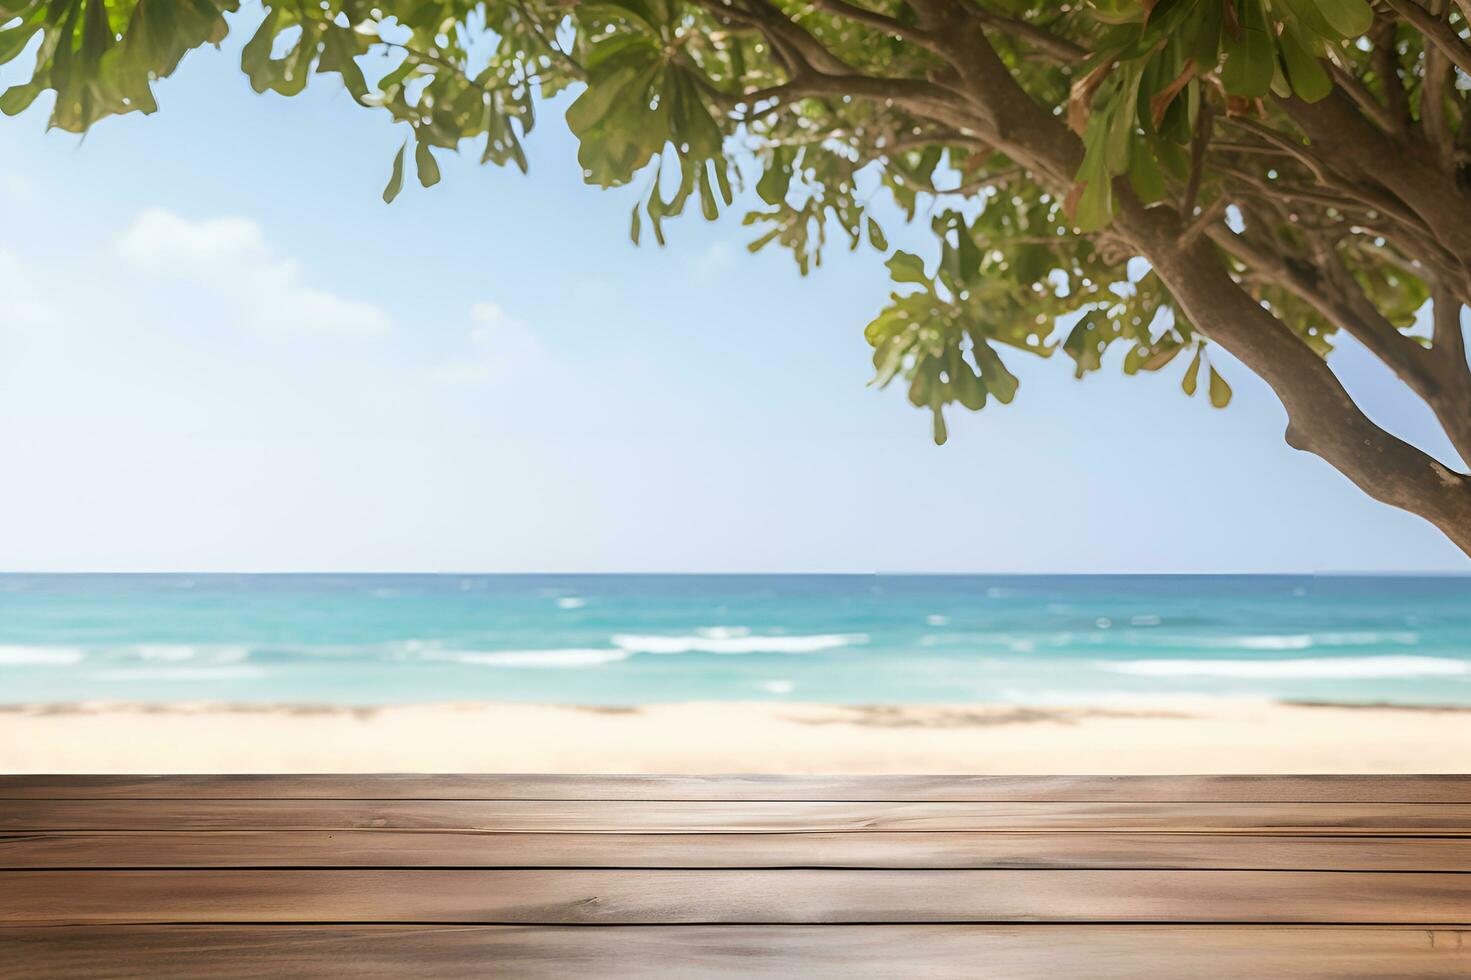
1177, 735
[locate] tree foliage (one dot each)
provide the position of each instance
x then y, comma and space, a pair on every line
1287, 169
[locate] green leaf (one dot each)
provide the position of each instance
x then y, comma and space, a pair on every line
1145, 176
999, 381
1350, 18
14, 40
922, 384
1163, 353
1192, 375
18, 98
1031, 262
907, 267
1250, 59
427, 166
396, 178
1201, 35
888, 358
876, 236
1310, 82
1095, 204
340, 46
1220, 392
1085, 345
1119, 11
1310, 17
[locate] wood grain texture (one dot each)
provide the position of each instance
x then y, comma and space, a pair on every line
408, 849
689, 876
1142, 789
713, 817
632, 897
1038, 952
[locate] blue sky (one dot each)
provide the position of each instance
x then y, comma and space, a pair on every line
220, 351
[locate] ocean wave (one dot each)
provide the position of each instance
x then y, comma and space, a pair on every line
179, 652
1367, 638
24, 656
1297, 641
235, 673
735, 641
1344, 668
571, 602
553, 659
1276, 642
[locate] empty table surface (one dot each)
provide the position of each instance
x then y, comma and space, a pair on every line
750, 876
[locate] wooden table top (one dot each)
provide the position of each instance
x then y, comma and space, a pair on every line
742, 876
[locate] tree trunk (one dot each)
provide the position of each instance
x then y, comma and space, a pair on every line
1322, 418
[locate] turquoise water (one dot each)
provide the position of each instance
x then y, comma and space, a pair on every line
382, 639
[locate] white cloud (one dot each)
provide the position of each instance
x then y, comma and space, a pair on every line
231, 256
21, 303
498, 345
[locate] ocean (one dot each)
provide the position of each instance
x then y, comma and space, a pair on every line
640, 639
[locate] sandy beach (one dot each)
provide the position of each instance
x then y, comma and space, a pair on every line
1195, 735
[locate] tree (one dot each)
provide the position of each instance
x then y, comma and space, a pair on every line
1287, 169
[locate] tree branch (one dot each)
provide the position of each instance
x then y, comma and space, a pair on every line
781, 31
1038, 37
1322, 418
1448, 336
1452, 404
1436, 30
1333, 293
1382, 116
876, 20
1385, 59
1439, 80
1341, 134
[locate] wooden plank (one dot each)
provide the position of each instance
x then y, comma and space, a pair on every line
761, 952
617, 897
959, 788
387, 849
581, 816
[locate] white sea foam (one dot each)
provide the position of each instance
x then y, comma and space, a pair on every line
1308, 667
235, 673
1367, 638
937, 620
551, 659
23, 656
1300, 641
1307, 641
735, 643
571, 602
179, 652
778, 687
1278, 642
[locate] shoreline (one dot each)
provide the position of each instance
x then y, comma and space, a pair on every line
1159, 735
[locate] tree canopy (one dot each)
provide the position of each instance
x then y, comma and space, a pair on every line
1287, 169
